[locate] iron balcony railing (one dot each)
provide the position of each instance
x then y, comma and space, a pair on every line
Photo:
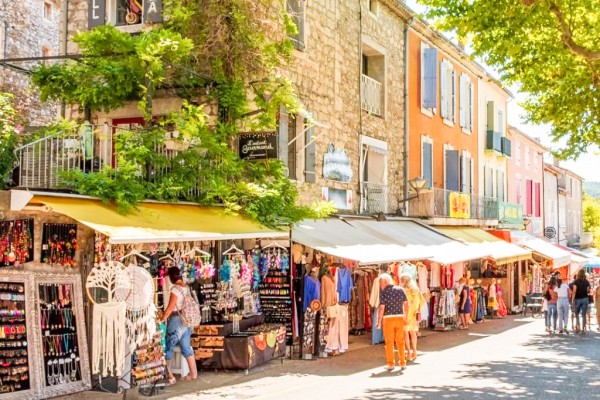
374, 198
371, 95
41, 164
453, 204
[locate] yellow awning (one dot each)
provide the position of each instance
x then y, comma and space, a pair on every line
502, 252
158, 222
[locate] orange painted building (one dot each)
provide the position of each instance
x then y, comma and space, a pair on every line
443, 121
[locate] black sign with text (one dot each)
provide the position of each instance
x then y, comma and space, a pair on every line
153, 11
258, 145
96, 13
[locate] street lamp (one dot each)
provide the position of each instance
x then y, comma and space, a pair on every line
416, 184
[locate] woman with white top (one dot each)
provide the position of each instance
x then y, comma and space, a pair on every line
564, 294
177, 332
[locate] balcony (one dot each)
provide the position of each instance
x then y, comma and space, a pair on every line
441, 203
494, 142
506, 147
42, 163
374, 198
371, 95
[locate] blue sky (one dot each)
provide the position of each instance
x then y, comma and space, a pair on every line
587, 164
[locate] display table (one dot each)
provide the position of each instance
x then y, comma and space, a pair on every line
247, 350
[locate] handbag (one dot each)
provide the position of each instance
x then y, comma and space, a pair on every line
332, 311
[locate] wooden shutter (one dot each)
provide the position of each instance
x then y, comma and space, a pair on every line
490, 116
309, 156
500, 121
463, 101
500, 185
538, 199
488, 181
429, 78
452, 113
466, 170
452, 170
463, 170
471, 176
427, 160
529, 195
470, 108
443, 90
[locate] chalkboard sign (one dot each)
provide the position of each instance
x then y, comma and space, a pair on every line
258, 145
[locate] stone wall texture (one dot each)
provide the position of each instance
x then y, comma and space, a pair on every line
27, 30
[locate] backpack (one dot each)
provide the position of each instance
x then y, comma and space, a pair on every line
190, 312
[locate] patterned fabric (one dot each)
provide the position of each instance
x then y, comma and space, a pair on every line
308, 332
393, 298
414, 306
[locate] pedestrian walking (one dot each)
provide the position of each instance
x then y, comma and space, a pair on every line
411, 327
580, 300
393, 306
564, 293
552, 297
464, 302
597, 304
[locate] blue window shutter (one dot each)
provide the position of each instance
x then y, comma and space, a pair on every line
429, 80
427, 164
452, 170
443, 90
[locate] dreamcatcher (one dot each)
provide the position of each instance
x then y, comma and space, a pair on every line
140, 309
109, 318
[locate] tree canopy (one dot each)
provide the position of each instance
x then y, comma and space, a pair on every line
550, 48
228, 53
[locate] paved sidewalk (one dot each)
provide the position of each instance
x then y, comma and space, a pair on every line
512, 357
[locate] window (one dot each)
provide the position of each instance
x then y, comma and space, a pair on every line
373, 6
428, 77
372, 80
46, 52
47, 10
452, 170
527, 161
296, 9
466, 103
373, 175
488, 180
519, 191
501, 122
517, 143
447, 91
466, 173
427, 160
127, 14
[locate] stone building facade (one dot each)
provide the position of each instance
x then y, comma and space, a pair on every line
28, 28
348, 70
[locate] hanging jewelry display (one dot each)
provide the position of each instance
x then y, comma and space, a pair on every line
109, 318
14, 363
141, 310
59, 244
59, 334
275, 287
16, 242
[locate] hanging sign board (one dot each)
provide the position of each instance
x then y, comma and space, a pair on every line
550, 232
258, 145
460, 205
96, 13
336, 165
153, 11
510, 213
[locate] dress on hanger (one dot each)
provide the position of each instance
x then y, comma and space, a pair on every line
312, 291
344, 285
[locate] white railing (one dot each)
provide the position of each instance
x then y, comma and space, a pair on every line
371, 95
374, 198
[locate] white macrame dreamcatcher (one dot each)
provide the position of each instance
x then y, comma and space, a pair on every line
109, 319
141, 311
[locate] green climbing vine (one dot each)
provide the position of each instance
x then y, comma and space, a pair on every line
224, 54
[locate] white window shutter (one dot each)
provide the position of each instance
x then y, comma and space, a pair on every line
470, 109
443, 90
453, 97
463, 104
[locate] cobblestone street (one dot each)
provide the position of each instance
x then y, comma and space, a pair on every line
510, 358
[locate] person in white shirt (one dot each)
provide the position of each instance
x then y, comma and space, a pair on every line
564, 294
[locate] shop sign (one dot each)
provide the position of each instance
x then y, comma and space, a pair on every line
336, 165
152, 11
510, 213
258, 145
341, 199
550, 232
460, 205
96, 13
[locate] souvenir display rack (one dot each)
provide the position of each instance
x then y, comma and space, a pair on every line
149, 365
14, 363
276, 299
58, 323
16, 242
59, 244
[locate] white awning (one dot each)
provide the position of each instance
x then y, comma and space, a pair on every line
559, 257
417, 237
338, 238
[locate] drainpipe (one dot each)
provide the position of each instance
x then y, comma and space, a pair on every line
406, 112
65, 14
360, 152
